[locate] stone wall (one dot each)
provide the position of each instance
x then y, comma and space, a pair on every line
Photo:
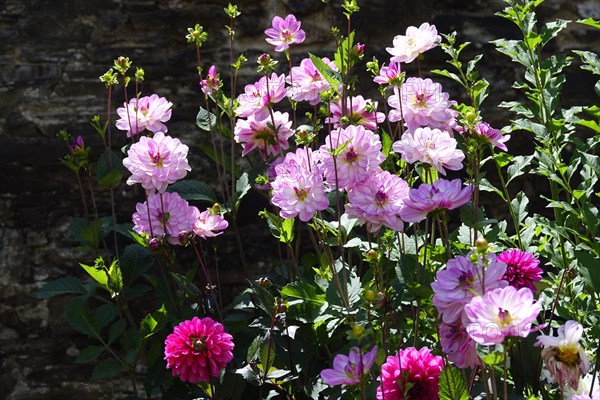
51, 54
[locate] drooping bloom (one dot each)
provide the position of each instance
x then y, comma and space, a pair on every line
416, 41
461, 280
298, 188
563, 355
360, 155
285, 32
76, 146
410, 375
389, 75
492, 135
359, 112
156, 162
308, 83
147, 113
164, 214
501, 312
458, 345
198, 349
421, 102
583, 389
522, 269
431, 146
269, 135
443, 194
349, 369
208, 224
378, 200
211, 83
257, 96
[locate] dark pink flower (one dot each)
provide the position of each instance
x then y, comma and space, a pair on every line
411, 375
198, 349
521, 269
349, 369
285, 32
389, 75
494, 136
207, 224
211, 83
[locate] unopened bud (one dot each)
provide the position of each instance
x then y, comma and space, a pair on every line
358, 330
369, 295
372, 255
481, 245
154, 244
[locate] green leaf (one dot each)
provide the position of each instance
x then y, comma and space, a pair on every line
109, 176
242, 187
447, 74
589, 268
452, 386
551, 29
89, 234
328, 74
115, 282
262, 298
106, 369
79, 316
591, 61
105, 314
89, 354
519, 205
99, 275
190, 189
68, 284
590, 22
136, 260
287, 231
203, 121
518, 167
152, 323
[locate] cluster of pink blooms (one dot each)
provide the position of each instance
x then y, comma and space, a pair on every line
308, 83
358, 112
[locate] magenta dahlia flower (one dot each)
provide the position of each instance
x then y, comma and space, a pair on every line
156, 162
501, 312
431, 146
563, 355
494, 136
378, 201
349, 369
443, 194
208, 224
416, 41
164, 214
269, 135
198, 349
410, 375
308, 83
285, 32
211, 83
360, 156
421, 102
256, 97
458, 345
147, 113
521, 269
389, 75
358, 112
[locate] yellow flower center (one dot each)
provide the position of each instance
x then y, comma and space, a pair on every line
568, 354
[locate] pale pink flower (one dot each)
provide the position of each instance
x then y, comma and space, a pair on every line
361, 155
147, 113
416, 41
461, 280
285, 32
583, 389
164, 215
349, 369
501, 312
156, 162
421, 102
563, 355
442, 195
410, 375
257, 97
298, 188
431, 146
211, 83
522, 268
378, 201
492, 135
269, 135
458, 345
198, 349
358, 112
389, 75
308, 83
207, 224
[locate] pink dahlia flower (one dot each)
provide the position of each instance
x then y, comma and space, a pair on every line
298, 188
361, 155
208, 224
563, 355
359, 112
443, 194
285, 32
198, 349
492, 135
156, 162
164, 214
501, 312
269, 135
389, 75
349, 369
378, 201
521, 269
431, 146
458, 345
211, 83
257, 97
308, 83
416, 41
147, 113
421, 102
460, 281
410, 375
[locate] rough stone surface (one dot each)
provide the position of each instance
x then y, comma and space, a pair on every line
51, 54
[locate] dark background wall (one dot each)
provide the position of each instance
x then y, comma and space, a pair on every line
51, 55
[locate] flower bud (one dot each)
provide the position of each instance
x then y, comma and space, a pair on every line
154, 244
369, 295
481, 245
358, 330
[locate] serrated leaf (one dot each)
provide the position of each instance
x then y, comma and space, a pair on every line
99, 275
115, 283
106, 369
89, 354
287, 230
190, 189
519, 206
109, 175
105, 314
80, 318
205, 120
589, 268
68, 284
135, 261
328, 74
590, 22
452, 386
242, 187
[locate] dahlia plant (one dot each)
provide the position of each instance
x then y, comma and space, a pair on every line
387, 281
